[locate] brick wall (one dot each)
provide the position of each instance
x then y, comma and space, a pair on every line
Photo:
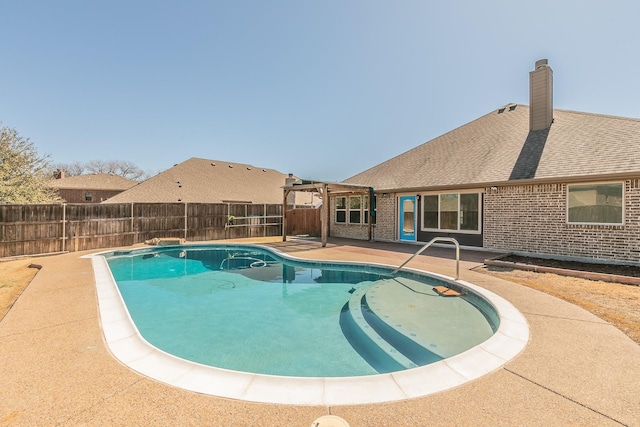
532, 218
79, 195
350, 231
384, 229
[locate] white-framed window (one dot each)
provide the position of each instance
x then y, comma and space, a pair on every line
352, 210
87, 197
365, 209
341, 210
355, 210
458, 212
597, 203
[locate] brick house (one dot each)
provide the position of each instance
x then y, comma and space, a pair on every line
91, 188
199, 180
522, 179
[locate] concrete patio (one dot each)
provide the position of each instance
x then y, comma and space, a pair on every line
56, 370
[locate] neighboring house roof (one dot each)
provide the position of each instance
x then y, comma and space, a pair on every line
499, 148
208, 181
97, 181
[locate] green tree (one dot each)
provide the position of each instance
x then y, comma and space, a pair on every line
23, 178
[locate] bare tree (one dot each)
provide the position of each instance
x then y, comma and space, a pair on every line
129, 170
123, 168
23, 177
98, 166
69, 169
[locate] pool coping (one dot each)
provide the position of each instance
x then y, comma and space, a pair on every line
127, 345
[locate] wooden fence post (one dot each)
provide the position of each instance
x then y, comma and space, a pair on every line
64, 226
185, 221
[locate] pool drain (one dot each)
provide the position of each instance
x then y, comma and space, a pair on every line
329, 421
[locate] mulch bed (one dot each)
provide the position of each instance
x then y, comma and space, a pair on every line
620, 270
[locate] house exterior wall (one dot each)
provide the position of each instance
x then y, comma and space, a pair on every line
350, 231
72, 195
528, 219
532, 219
385, 227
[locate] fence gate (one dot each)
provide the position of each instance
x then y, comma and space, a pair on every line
303, 222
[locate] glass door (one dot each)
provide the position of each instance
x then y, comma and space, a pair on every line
407, 222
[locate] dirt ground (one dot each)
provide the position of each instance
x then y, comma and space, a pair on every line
616, 303
14, 278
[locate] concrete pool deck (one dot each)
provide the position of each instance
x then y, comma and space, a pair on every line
56, 370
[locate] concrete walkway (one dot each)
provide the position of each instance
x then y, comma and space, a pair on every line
56, 370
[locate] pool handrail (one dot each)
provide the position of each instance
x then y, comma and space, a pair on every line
432, 241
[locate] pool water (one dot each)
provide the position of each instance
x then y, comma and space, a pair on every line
251, 310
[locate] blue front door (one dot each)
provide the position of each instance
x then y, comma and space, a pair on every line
407, 222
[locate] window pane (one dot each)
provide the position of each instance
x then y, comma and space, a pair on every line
448, 211
430, 211
354, 202
354, 217
365, 209
408, 207
341, 203
341, 216
599, 203
469, 217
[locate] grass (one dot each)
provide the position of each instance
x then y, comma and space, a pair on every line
15, 276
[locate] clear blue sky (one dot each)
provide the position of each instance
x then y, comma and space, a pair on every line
322, 89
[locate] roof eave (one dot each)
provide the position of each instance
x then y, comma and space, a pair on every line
533, 181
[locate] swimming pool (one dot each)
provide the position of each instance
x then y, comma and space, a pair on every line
259, 316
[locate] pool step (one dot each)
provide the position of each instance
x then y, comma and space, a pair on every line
357, 315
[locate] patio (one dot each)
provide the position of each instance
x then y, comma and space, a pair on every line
56, 370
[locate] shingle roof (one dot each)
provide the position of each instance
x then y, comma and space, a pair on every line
208, 181
96, 181
499, 148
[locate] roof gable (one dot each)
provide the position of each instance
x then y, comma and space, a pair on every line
208, 181
96, 181
499, 148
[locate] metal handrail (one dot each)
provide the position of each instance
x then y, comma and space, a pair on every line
432, 241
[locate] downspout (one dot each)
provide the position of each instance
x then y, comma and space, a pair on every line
372, 212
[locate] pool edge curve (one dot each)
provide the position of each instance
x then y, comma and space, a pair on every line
127, 345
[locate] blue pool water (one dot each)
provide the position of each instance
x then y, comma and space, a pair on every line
248, 309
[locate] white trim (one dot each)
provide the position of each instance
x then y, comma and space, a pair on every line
458, 231
349, 210
364, 207
127, 345
336, 210
601, 224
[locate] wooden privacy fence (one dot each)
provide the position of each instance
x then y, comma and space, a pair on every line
39, 229
303, 222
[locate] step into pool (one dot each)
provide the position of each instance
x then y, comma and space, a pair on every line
255, 311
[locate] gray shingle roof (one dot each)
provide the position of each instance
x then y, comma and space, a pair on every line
499, 148
208, 181
96, 181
